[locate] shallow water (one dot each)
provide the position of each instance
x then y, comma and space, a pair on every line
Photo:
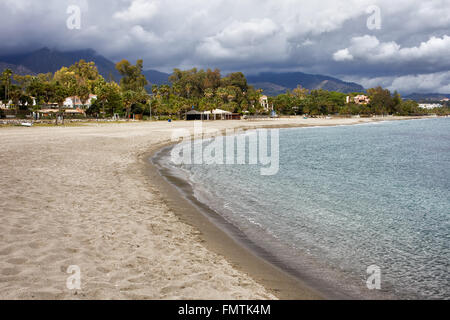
345, 198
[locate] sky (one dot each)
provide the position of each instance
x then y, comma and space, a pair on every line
401, 45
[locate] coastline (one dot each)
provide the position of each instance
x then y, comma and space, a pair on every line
87, 196
227, 240
221, 236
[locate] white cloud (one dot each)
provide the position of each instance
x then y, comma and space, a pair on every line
328, 36
257, 39
438, 82
138, 10
244, 33
144, 36
342, 55
369, 48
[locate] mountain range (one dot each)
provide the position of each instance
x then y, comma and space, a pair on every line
46, 60
427, 96
276, 83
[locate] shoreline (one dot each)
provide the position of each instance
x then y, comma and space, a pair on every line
227, 240
224, 238
84, 195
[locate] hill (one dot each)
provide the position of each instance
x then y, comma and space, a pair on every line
16, 69
276, 83
427, 96
45, 60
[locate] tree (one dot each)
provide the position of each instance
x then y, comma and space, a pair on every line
131, 98
15, 94
6, 81
68, 79
132, 77
222, 93
108, 96
396, 103
300, 92
80, 79
86, 71
59, 96
380, 100
235, 79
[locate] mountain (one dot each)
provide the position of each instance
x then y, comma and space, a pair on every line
427, 96
16, 69
276, 83
156, 77
45, 60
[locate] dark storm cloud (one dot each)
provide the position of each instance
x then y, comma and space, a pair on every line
331, 37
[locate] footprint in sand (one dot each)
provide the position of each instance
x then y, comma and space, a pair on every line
6, 251
35, 245
103, 270
10, 271
17, 260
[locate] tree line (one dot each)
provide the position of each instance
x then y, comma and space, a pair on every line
203, 90
322, 102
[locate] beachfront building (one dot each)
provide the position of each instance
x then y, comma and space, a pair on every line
359, 99
217, 114
48, 112
430, 105
10, 105
71, 102
33, 101
75, 101
264, 102
5, 105
194, 115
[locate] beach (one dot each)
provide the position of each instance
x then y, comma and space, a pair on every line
88, 196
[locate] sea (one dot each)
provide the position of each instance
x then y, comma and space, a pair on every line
359, 211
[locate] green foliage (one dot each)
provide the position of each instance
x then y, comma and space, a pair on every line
94, 109
205, 90
381, 101
132, 77
321, 102
138, 108
6, 80
109, 97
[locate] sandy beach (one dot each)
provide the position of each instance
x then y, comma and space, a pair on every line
88, 196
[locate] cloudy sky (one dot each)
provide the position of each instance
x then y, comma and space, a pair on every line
401, 44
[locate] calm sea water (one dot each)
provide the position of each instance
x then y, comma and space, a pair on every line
345, 198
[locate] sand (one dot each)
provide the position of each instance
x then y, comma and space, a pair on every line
83, 196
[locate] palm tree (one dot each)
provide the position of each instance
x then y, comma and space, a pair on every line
129, 97
15, 96
59, 94
6, 79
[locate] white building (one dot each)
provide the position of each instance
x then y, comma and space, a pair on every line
430, 105
217, 114
10, 103
73, 102
264, 102
359, 99
33, 103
